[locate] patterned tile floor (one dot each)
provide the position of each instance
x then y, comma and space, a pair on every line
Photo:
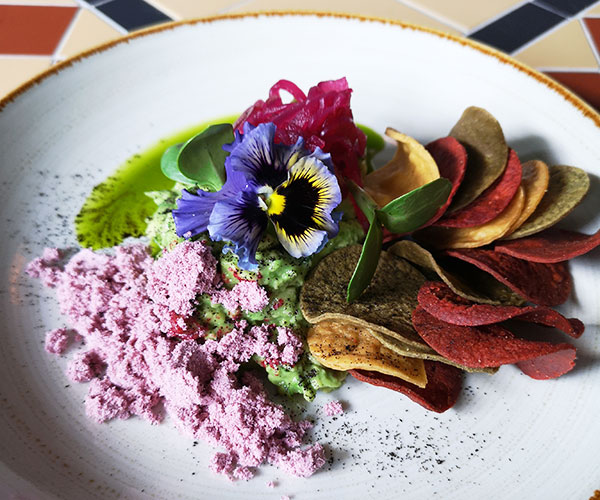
559, 37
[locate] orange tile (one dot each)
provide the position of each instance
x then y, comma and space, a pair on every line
87, 31
593, 26
17, 70
27, 29
585, 85
61, 3
390, 9
566, 47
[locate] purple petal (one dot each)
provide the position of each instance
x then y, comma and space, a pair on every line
255, 156
242, 221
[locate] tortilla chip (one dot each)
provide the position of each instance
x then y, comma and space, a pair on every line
534, 182
491, 202
493, 345
426, 353
566, 188
476, 236
441, 392
550, 246
343, 346
440, 301
542, 284
386, 305
474, 285
481, 135
411, 167
451, 159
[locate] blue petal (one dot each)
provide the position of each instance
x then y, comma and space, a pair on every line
241, 220
193, 209
255, 156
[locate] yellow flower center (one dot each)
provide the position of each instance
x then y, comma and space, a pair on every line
276, 203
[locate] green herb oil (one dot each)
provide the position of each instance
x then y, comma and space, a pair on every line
118, 208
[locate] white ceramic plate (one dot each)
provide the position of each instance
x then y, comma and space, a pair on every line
508, 437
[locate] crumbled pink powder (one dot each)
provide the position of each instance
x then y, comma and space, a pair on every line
45, 267
284, 497
333, 408
124, 306
246, 295
57, 340
85, 366
270, 484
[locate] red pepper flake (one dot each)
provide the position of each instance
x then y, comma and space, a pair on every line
278, 304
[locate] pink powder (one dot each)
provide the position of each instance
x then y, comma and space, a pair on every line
270, 484
246, 295
333, 408
85, 366
57, 340
285, 497
124, 307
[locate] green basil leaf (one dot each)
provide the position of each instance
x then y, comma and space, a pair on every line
168, 165
202, 158
375, 144
367, 262
410, 211
366, 204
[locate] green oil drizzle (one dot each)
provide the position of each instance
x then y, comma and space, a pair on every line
118, 208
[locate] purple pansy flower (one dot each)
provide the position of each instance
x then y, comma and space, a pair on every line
294, 189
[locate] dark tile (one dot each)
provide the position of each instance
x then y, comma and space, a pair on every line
593, 26
132, 14
517, 28
567, 7
33, 29
585, 85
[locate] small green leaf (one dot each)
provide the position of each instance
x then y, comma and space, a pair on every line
168, 165
202, 158
411, 210
375, 144
366, 204
367, 262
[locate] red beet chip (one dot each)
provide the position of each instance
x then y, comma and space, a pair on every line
451, 159
440, 301
550, 246
542, 284
442, 390
551, 365
489, 204
492, 345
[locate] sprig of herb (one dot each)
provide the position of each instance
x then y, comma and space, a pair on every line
402, 215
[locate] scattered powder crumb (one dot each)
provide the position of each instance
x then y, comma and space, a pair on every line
123, 306
270, 484
57, 340
333, 408
285, 497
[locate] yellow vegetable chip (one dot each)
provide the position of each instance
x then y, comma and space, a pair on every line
411, 167
477, 236
344, 346
534, 182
